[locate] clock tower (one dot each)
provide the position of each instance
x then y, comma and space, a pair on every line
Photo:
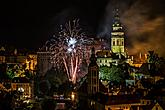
117, 35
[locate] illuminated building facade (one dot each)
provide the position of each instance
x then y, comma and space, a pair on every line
23, 85
18, 61
117, 53
106, 58
138, 59
117, 36
26, 62
31, 62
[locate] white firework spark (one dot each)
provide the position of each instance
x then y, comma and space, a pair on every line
67, 48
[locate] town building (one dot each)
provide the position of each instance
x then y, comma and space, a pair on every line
117, 36
12, 58
23, 85
2, 55
93, 75
117, 54
44, 61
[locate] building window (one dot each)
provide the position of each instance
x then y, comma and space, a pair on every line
122, 43
113, 42
118, 42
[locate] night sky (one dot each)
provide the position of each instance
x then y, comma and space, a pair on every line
28, 24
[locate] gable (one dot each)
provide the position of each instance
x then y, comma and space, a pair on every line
157, 107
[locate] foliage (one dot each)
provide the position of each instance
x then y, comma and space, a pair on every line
8, 100
156, 63
104, 72
113, 73
56, 76
3, 74
44, 87
35, 106
15, 70
66, 88
54, 81
28, 74
10, 73
18, 70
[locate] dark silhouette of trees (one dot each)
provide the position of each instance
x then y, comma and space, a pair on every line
156, 64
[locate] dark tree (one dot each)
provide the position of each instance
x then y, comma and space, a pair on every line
48, 104
156, 63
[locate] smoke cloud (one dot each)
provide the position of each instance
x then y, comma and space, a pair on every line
144, 28
144, 23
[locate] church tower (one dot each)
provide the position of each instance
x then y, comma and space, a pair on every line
93, 74
117, 35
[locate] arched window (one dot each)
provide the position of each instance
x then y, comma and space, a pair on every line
118, 42
122, 42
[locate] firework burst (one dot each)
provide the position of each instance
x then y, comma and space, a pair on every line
67, 49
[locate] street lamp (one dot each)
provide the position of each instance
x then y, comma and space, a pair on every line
72, 96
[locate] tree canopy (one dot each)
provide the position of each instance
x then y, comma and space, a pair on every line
113, 74
157, 63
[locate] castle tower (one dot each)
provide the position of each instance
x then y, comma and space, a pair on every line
93, 74
117, 35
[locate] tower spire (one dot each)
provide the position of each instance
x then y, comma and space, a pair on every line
93, 57
117, 35
116, 15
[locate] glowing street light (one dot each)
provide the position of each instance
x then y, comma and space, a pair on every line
73, 96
